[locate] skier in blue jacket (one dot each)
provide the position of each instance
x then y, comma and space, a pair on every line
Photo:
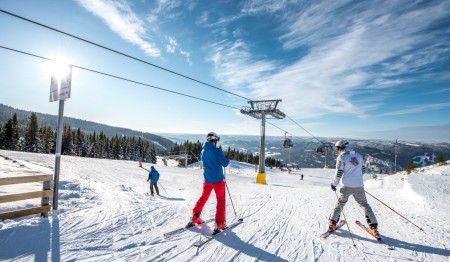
153, 177
213, 160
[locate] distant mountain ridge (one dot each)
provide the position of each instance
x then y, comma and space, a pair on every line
6, 112
379, 154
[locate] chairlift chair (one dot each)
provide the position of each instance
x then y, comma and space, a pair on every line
287, 142
320, 151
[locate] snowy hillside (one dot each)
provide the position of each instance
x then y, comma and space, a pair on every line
106, 214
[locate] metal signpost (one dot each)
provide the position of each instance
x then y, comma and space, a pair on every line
60, 86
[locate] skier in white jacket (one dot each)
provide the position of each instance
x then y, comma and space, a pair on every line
350, 170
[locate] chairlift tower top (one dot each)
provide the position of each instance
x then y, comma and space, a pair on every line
260, 108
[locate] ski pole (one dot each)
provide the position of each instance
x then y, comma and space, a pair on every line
342, 211
226, 185
394, 210
145, 169
162, 188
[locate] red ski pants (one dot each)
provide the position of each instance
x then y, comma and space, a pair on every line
219, 189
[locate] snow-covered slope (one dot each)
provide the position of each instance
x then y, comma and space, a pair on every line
106, 214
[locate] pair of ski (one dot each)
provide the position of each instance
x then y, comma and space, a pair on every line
182, 229
378, 238
364, 227
205, 239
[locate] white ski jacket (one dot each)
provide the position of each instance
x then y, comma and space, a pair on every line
350, 167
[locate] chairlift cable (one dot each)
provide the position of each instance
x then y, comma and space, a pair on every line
122, 78
162, 89
122, 54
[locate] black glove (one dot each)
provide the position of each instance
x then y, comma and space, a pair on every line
333, 187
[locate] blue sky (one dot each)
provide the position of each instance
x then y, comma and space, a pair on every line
357, 69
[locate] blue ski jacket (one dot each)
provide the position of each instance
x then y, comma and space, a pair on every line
213, 160
153, 176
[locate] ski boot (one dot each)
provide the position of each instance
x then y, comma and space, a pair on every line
219, 228
332, 226
195, 220
373, 230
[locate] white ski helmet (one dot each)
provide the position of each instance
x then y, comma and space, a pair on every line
212, 137
341, 144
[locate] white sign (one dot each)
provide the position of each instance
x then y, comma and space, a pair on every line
60, 83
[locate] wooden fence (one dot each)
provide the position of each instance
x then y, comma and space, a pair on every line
45, 194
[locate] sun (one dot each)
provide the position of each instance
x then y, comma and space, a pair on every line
60, 81
59, 68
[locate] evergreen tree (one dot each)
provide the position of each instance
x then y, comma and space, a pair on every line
409, 167
31, 135
43, 140
115, 147
107, 151
102, 145
125, 148
93, 145
47, 138
153, 154
67, 141
440, 160
6, 136
15, 133
230, 154
80, 143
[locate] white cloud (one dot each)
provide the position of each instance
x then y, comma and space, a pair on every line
171, 9
121, 19
187, 55
172, 45
233, 65
418, 109
266, 6
354, 47
440, 91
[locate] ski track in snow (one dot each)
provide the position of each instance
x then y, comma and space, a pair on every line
106, 213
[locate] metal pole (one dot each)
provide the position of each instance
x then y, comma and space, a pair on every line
289, 158
262, 147
58, 154
395, 152
261, 176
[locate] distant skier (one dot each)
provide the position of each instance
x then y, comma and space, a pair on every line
213, 160
350, 167
153, 177
301, 177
